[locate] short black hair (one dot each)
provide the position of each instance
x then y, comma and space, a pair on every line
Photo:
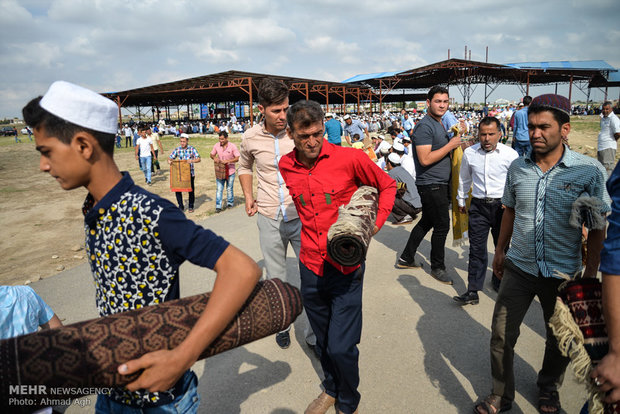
223, 134
488, 120
303, 114
527, 99
435, 90
37, 117
561, 117
272, 92
607, 103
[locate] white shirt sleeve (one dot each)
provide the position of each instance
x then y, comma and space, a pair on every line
465, 180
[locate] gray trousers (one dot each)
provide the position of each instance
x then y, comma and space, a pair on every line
516, 293
275, 236
607, 157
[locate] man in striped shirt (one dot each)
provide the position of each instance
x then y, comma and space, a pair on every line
539, 193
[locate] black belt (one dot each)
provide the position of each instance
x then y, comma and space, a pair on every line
488, 200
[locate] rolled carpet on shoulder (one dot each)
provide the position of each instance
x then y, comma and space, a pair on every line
348, 238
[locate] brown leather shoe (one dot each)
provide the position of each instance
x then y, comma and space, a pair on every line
321, 404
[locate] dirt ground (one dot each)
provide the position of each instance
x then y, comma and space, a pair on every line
43, 224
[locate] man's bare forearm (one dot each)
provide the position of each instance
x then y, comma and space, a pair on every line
246, 186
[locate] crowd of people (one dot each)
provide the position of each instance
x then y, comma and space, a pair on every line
419, 163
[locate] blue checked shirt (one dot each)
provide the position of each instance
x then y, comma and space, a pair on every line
22, 311
185, 154
542, 240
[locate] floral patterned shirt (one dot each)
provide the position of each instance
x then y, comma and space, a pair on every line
135, 242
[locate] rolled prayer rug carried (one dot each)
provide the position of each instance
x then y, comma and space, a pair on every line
62, 362
348, 238
579, 327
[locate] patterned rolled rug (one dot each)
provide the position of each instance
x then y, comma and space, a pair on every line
348, 238
579, 326
86, 354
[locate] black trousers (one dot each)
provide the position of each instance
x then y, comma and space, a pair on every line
483, 216
435, 215
515, 296
155, 159
179, 195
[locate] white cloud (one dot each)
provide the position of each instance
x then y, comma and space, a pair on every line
256, 32
13, 14
81, 46
205, 51
40, 54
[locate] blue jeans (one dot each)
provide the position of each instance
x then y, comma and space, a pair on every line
184, 403
229, 182
145, 166
522, 147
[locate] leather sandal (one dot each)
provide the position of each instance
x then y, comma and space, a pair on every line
492, 404
550, 399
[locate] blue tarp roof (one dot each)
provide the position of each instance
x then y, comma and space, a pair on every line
363, 77
565, 64
614, 77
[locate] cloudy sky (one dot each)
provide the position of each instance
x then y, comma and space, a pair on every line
112, 45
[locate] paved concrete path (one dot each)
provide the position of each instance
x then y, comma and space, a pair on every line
420, 352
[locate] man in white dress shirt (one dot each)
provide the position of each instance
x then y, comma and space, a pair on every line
608, 137
484, 166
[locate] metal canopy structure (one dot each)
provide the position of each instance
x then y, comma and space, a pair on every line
467, 74
233, 86
600, 82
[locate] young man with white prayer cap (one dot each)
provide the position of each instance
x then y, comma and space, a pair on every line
74, 131
407, 203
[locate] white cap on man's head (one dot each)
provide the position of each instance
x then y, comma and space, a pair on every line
81, 106
184, 135
347, 116
398, 146
394, 158
329, 115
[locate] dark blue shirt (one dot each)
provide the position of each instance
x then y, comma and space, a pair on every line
431, 132
135, 243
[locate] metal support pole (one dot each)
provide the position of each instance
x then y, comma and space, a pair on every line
570, 91
327, 97
251, 103
527, 90
120, 116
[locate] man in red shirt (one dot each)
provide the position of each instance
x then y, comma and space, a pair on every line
321, 177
